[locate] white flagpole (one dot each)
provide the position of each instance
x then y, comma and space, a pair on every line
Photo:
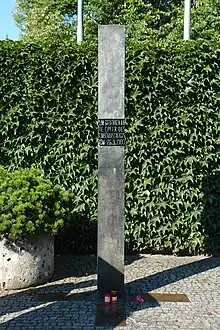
80, 22
187, 14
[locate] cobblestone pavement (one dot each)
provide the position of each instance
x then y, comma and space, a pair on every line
197, 277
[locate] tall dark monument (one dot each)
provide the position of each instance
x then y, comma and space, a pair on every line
111, 120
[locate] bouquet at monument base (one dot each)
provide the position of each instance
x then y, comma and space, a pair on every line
139, 299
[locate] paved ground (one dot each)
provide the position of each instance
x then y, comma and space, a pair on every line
197, 277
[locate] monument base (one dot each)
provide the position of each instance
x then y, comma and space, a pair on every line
110, 315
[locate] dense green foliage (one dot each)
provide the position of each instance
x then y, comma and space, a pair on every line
173, 154
48, 108
144, 19
29, 204
55, 20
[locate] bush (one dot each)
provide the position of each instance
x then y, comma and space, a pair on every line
29, 204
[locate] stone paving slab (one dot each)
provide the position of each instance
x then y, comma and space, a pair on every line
197, 277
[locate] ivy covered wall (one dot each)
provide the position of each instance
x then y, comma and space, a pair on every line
48, 119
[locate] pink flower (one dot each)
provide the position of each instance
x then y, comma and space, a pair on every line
139, 299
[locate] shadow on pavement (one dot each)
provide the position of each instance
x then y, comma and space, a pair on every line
81, 265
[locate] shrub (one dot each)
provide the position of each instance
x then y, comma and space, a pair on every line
30, 204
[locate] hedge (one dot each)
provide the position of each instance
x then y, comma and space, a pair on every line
48, 118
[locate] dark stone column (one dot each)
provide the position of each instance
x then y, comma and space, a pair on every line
111, 116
